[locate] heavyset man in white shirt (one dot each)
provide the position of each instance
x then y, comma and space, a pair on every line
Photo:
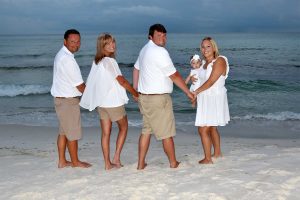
67, 86
153, 76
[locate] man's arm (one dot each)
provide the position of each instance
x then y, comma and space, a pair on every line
135, 76
177, 79
81, 87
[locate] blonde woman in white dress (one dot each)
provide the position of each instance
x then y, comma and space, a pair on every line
212, 104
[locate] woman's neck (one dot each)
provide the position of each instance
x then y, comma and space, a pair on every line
210, 59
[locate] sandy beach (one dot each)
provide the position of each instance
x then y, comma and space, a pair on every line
251, 168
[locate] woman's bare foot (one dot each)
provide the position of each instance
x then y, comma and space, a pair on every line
205, 161
216, 156
141, 167
81, 164
64, 164
110, 166
175, 165
118, 165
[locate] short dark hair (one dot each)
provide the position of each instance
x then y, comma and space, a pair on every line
69, 32
158, 28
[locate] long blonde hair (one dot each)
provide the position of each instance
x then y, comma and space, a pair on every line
103, 40
214, 45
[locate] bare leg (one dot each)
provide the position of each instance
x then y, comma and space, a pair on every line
144, 143
73, 151
105, 141
215, 137
169, 149
123, 128
206, 144
61, 146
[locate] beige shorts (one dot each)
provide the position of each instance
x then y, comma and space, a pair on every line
158, 116
113, 114
68, 114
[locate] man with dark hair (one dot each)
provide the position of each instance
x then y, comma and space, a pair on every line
66, 89
153, 76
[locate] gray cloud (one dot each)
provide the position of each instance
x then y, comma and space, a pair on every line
134, 16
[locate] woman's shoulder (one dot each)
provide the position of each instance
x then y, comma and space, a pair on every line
221, 60
221, 57
108, 61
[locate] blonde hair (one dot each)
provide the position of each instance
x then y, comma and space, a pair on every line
103, 40
214, 45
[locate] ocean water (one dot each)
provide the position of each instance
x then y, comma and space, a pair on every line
263, 82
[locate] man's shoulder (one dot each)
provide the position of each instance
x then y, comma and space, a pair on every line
157, 50
62, 54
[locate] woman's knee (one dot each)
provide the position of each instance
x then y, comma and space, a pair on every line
203, 130
123, 124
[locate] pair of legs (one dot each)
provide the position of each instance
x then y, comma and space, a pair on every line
106, 125
168, 145
62, 144
210, 136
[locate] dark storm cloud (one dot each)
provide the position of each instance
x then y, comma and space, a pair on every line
135, 16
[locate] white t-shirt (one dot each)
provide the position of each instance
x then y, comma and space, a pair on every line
66, 75
102, 88
155, 66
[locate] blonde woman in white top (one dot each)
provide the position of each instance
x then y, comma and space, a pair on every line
106, 91
212, 104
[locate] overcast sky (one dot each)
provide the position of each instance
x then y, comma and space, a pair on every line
135, 16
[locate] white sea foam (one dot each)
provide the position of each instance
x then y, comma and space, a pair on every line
280, 116
16, 90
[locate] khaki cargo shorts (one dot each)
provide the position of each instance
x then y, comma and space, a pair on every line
68, 114
158, 116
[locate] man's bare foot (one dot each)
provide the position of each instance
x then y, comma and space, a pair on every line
64, 164
81, 164
175, 165
205, 161
141, 167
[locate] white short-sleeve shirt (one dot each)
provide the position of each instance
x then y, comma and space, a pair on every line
66, 75
155, 66
102, 88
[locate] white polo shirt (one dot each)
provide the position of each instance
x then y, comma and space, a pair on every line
155, 66
66, 75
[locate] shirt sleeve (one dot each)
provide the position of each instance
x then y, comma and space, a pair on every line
112, 67
167, 66
137, 65
72, 72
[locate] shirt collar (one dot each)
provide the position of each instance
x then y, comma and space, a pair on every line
67, 51
152, 43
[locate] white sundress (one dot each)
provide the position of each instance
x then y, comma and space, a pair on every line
212, 104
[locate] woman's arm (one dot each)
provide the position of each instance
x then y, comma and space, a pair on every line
124, 83
218, 68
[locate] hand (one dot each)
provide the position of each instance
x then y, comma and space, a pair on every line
191, 96
195, 93
194, 79
135, 98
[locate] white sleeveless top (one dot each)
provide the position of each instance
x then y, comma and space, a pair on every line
212, 104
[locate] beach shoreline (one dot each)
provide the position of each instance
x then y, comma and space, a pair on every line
262, 168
